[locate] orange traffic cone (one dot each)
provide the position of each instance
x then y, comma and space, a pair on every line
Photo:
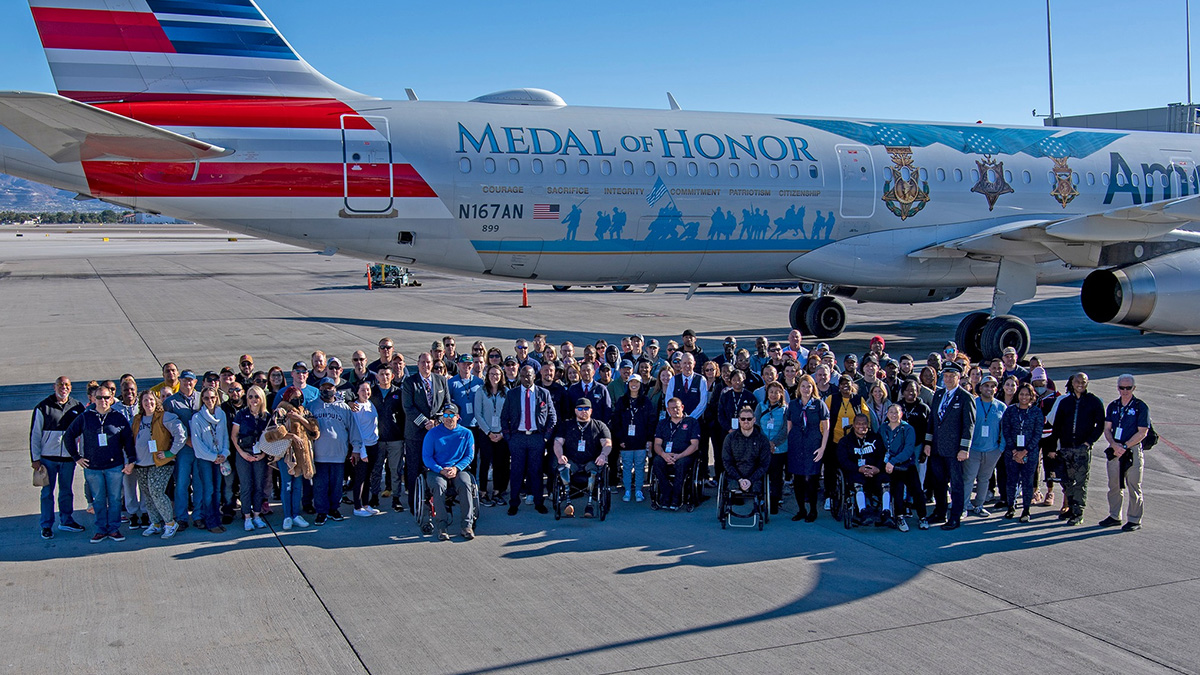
525, 297
369, 286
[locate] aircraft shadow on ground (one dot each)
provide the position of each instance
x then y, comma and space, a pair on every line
839, 555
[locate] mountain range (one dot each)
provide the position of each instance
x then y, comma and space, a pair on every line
18, 194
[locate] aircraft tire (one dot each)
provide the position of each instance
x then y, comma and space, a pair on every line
1004, 331
621, 288
970, 333
796, 315
560, 289
745, 288
826, 317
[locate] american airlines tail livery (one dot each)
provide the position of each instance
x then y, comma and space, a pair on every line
201, 110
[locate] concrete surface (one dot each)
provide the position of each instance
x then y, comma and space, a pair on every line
659, 592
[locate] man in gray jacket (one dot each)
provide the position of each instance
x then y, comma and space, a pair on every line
51, 418
338, 434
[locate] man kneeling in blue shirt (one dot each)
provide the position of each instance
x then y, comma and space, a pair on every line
447, 451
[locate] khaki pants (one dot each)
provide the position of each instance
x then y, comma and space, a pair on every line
1133, 483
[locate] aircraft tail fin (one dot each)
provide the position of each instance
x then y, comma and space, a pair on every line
158, 50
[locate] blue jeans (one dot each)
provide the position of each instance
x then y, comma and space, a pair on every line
204, 491
290, 492
327, 486
633, 469
187, 473
106, 491
62, 474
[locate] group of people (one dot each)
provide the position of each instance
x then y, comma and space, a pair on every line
197, 451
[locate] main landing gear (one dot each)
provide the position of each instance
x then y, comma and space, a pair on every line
821, 316
984, 337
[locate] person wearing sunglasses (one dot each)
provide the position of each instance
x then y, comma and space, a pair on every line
106, 454
746, 454
581, 445
1126, 425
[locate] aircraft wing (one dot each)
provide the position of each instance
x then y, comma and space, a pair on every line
1077, 240
70, 131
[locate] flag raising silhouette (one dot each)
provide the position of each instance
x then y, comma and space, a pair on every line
659, 191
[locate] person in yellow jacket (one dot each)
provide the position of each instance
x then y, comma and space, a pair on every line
843, 406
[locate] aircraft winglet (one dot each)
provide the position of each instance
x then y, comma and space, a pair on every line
69, 131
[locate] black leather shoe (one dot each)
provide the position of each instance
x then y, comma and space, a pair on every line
953, 525
541, 508
936, 518
1131, 527
512, 510
798, 517
1109, 522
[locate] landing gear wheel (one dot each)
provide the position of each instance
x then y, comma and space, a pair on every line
1003, 332
796, 313
621, 288
969, 334
826, 317
560, 289
745, 288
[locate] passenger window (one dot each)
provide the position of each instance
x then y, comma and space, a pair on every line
1007, 175
464, 165
672, 169
975, 175
793, 171
941, 174
489, 165
560, 167
1120, 180
584, 167
958, 175
536, 166
1091, 178
1050, 178
605, 167
734, 170
1075, 178
812, 172
1134, 179
627, 167
753, 171
649, 168
1026, 177
514, 166
713, 169
693, 170
1104, 179
1149, 180
774, 171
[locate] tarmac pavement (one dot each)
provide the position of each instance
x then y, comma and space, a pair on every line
643, 591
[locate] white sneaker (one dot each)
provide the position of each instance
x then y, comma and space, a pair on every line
259, 523
151, 531
299, 521
170, 530
363, 513
528, 499
249, 525
287, 523
374, 511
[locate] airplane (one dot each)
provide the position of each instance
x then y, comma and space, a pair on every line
201, 110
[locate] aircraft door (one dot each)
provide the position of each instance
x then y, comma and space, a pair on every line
518, 258
366, 165
857, 181
1181, 175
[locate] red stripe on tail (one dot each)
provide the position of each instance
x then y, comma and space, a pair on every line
100, 30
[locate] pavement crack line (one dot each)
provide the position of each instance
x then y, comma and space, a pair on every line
123, 312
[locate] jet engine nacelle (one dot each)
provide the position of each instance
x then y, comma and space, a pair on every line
1160, 295
897, 296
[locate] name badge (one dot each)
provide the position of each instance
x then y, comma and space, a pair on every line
1117, 433
845, 421
733, 423
495, 421
1020, 440
986, 432
468, 407
102, 439
153, 446
667, 447
770, 424
632, 430
582, 446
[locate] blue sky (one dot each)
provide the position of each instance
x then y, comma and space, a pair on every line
937, 60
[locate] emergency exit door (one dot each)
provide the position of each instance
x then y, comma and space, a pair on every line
857, 181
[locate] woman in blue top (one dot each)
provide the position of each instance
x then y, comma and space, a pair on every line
633, 427
808, 433
248, 426
900, 462
210, 439
1021, 429
772, 419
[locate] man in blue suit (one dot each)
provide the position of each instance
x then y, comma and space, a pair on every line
527, 420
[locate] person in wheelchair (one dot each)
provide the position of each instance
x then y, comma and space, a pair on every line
581, 445
747, 455
676, 441
861, 457
447, 451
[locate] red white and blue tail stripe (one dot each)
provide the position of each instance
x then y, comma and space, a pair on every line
163, 50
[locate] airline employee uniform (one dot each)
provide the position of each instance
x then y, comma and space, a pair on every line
527, 419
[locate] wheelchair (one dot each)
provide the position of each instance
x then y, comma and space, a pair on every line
846, 506
692, 487
560, 493
729, 498
423, 512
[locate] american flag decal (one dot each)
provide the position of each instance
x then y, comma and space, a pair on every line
545, 211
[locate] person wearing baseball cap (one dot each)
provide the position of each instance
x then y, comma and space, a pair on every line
986, 449
184, 404
688, 346
447, 452
300, 381
1011, 367
947, 445
245, 370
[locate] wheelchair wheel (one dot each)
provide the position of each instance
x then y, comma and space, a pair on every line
654, 493
766, 502
423, 506
604, 499
847, 501
722, 502
692, 488
555, 495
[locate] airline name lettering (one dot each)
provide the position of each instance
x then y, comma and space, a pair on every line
674, 143
1170, 177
